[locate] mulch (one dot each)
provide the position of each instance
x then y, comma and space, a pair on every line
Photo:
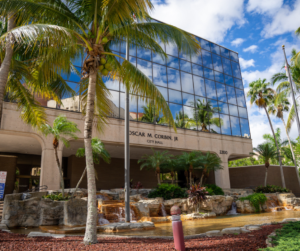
242, 242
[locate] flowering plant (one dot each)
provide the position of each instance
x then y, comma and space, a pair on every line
197, 194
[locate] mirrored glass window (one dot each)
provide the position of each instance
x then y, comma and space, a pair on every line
210, 89
236, 70
227, 66
132, 50
221, 92
114, 104
122, 105
197, 59
235, 126
199, 86
213, 104
173, 62
217, 63
234, 56
133, 115
223, 107
164, 92
245, 128
215, 123
173, 79
160, 75
233, 110
224, 52
145, 111
184, 56
238, 83
144, 53
189, 118
240, 97
114, 46
197, 70
123, 47
177, 113
229, 80
187, 82
158, 59
219, 76
208, 73
111, 84
121, 60
231, 95
185, 66
145, 67
206, 57
175, 97
243, 112
172, 49
225, 124
188, 99
205, 44
132, 60
215, 48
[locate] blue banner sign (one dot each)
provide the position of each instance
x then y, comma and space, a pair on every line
2, 184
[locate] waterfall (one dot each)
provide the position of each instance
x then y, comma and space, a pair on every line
163, 210
102, 220
232, 211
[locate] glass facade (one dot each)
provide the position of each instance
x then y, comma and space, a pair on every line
204, 92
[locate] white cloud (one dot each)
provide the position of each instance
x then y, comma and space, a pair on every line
251, 48
208, 19
286, 19
264, 6
237, 42
246, 63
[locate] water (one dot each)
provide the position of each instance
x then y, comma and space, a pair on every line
232, 211
163, 210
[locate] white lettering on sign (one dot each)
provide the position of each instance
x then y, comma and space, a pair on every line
3, 177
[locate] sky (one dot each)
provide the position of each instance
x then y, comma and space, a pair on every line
256, 29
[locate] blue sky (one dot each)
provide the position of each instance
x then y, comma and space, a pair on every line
256, 29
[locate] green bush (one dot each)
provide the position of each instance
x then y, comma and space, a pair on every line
271, 189
214, 189
256, 200
168, 191
56, 197
287, 238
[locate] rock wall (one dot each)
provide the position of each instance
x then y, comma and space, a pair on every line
75, 212
217, 204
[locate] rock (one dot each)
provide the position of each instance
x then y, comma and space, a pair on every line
253, 227
218, 204
75, 212
38, 234
58, 236
232, 230
3, 226
290, 220
214, 233
136, 197
246, 207
286, 199
244, 230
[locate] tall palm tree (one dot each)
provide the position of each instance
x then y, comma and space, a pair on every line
261, 95
62, 130
155, 161
267, 152
211, 162
190, 160
95, 26
183, 121
172, 166
99, 152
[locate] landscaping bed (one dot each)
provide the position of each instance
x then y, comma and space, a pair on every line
248, 241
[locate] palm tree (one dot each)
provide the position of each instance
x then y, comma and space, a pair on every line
183, 121
155, 161
172, 166
211, 162
267, 152
149, 114
99, 151
95, 26
262, 96
190, 161
61, 129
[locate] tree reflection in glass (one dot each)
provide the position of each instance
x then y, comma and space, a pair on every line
183, 121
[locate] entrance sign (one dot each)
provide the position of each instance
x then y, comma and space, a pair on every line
2, 183
155, 137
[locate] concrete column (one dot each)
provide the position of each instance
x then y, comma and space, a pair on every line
222, 176
49, 171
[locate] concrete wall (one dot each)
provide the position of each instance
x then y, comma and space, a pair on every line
110, 175
8, 164
253, 176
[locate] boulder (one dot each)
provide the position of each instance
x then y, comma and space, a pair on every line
253, 227
214, 233
75, 212
218, 204
297, 208
246, 207
286, 199
232, 230
290, 220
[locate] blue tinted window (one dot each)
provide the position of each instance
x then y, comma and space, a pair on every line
235, 126
132, 60
234, 56
199, 86
145, 67
111, 84
144, 53
187, 82
210, 89
231, 95
175, 97
158, 59
123, 47
189, 113
172, 49
224, 52
205, 44
132, 50
173, 79
184, 56
215, 48
245, 128
213, 104
173, 62
221, 92
233, 110
227, 66
121, 59
164, 92
175, 110
219, 76
223, 107
132, 107
114, 45
217, 62
207, 62
215, 126
240, 97
229, 80
197, 70
188, 99
160, 75
236, 70
243, 112
185, 66
114, 98
238, 83
225, 124
197, 59
208, 73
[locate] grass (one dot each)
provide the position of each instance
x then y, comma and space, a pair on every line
287, 238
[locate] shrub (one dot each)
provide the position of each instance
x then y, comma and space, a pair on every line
168, 191
287, 238
271, 189
214, 189
56, 197
197, 194
256, 200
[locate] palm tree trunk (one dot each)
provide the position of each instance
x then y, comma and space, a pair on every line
279, 158
266, 177
5, 66
90, 236
158, 178
60, 173
292, 150
201, 179
79, 182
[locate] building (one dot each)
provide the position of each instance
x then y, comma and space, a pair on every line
209, 82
